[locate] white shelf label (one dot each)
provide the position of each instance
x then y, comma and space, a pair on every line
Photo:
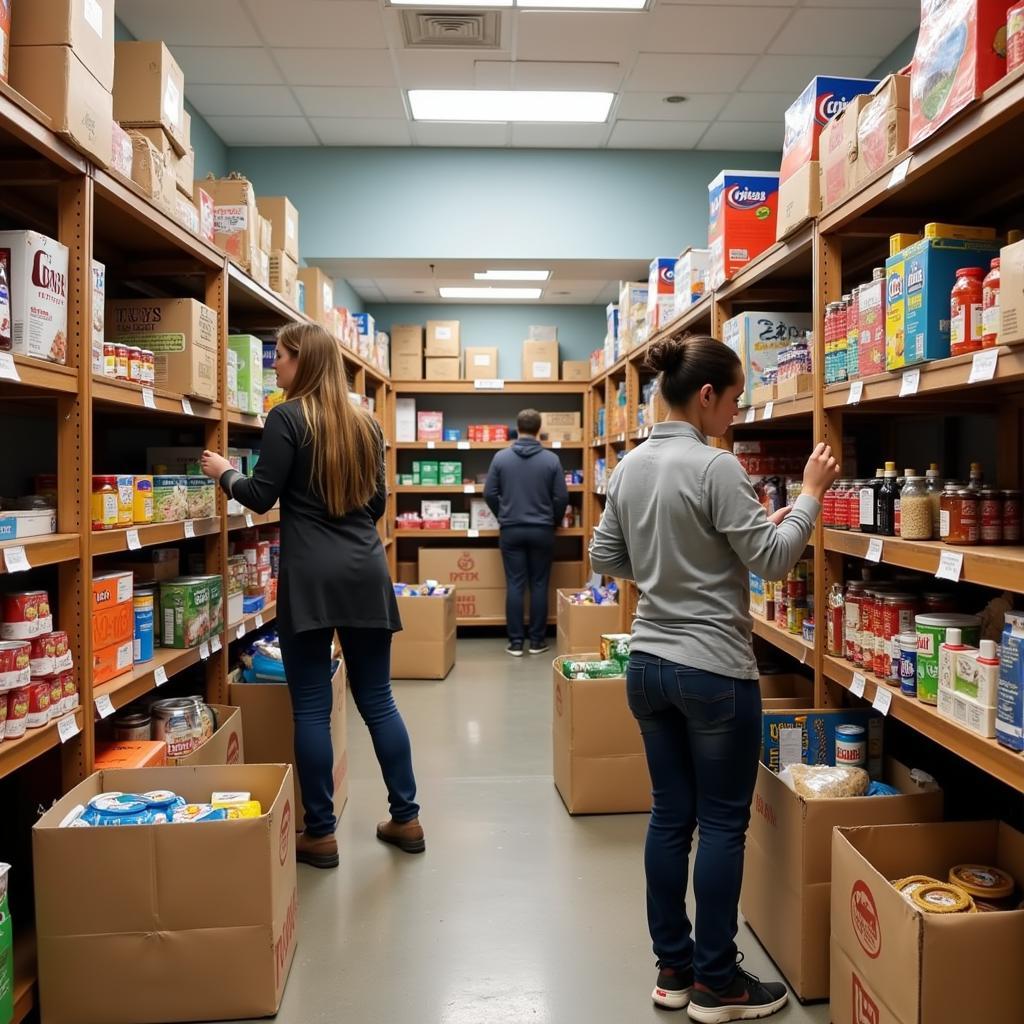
8, 368
883, 699
469, 488
983, 365
463, 446
15, 559
910, 383
190, 528
899, 173
791, 747
215, 645
134, 543
186, 407
204, 651
489, 384
751, 415
951, 565
431, 445
67, 728
472, 534
856, 393
259, 620
874, 550
240, 631
769, 409
104, 705
159, 675
858, 684
148, 398
249, 521
556, 444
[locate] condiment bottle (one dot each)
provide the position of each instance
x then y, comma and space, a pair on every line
949, 493
1011, 517
976, 481
947, 657
990, 307
990, 515
868, 493
885, 502
965, 308
933, 483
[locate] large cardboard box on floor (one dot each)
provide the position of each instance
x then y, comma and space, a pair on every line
149, 89
788, 871
580, 625
540, 360
599, 761
894, 965
86, 27
196, 922
443, 338
284, 223
225, 746
425, 649
269, 733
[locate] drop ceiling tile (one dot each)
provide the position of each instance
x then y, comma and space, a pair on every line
226, 65
362, 131
335, 67
437, 134
691, 73
559, 136
263, 131
492, 74
189, 22
749, 135
651, 106
604, 76
656, 134
712, 29
791, 74
229, 100
845, 32
351, 24
757, 106
326, 101
732, 3
423, 69
545, 35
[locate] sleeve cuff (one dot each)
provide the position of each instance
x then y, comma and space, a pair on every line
227, 478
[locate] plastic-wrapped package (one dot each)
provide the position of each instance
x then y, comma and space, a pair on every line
825, 782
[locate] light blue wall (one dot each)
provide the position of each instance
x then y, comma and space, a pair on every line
899, 58
581, 329
344, 296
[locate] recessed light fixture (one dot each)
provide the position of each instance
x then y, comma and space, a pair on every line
491, 294
587, 5
512, 275
505, 105
675, 99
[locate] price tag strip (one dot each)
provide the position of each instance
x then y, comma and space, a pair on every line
249, 521
240, 631
204, 651
769, 411
899, 173
132, 537
190, 528
259, 621
186, 407
8, 367
910, 383
104, 705
463, 446
883, 699
160, 675
751, 415
983, 366
215, 644
856, 393
148, 398
67, 728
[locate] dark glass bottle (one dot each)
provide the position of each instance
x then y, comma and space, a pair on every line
885, 502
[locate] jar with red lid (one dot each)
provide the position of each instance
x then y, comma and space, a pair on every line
990, 516
898, 611
990, 307
1011, 517
966, 327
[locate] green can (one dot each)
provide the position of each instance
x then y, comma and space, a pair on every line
216, 585
185, 612
590, 669
931, 634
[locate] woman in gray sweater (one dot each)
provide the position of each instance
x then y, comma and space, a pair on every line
682, 521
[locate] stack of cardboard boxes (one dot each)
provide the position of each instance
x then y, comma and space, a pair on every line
237, 224
407, 352
284, 245
540, 354
319, 295
443, 350
562, 427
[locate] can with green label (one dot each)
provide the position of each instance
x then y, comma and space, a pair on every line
931, 634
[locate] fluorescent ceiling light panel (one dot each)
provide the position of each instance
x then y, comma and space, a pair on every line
490, 293
502, 106
586, 5
450, 3
512, 275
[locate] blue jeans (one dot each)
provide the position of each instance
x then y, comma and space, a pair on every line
527, 553
307, 665
702, 735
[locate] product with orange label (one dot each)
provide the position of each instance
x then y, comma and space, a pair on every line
966, 328
743, 207
112, 625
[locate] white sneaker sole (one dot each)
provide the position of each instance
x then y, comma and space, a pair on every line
671, 999
514, 654
725, 1014
542, 651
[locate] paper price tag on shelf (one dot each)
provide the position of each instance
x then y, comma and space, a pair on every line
874, 550
215, 645
240, 631
259, 621
67, 728
469, 488
856, 393
751, 415
769, 410
883, 700
159, 675
105, 706
249, 521
791, 747
186, 407
463, 446
951, 565
148, 398
910, 383
556, 444
15, 559
204, 651
472, 534
899, 173
489, 385
134, 543
431, 445
858, 684
983, 365
8, 367
190, 528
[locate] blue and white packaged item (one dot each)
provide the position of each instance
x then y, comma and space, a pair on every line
1010, 693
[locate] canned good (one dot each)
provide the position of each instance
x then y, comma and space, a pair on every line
39, 696
142, 499
852, 615
23, 615
835, 611
121, 362
898, 611
43, 656
177, 723
15, 664
931, 632
104, 502
56, 697
134, 364
148, 368
991, 516
851, 746
133, 725
125, 500
908, 663
3, 717
796, 614
17, 713
70, 688
109, 359
143, 606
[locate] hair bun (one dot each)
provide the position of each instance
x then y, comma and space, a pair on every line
666, 355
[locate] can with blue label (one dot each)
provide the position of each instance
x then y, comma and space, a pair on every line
908, 663
144, 604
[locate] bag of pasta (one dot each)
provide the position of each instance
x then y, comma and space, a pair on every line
825, 782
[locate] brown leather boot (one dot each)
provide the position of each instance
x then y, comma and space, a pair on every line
406, 835
318, 851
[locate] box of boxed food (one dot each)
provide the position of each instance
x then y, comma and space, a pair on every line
690, 278
176, 882
425, 649
1009, 726
481, 363
284, 222
86, 28
284, 272
225, 746
758, 337
883, 126
661, 292
580, 626
185, 612
787, 867
1011, 293
112, 615
429, 425
99, 298
576, 369
838, 153
443, 338
442, 368
182, 335
37, 275
540, 360
743, 207
149, 89
480, 516
891, 951
249, 350
810, 736
799, 199
319, 293
632, 315
599, 763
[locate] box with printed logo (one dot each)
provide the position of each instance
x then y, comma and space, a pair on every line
758, 338
661, 292
743, 207
37, 276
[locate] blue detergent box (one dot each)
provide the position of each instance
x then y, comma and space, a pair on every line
818, 742
1010, 694
365, 323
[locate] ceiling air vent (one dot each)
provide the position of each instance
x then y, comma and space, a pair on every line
476, 30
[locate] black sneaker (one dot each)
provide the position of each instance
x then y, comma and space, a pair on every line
515, 649
538, 648
674, 986
745, 998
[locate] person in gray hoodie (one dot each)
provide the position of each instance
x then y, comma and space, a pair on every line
526, 492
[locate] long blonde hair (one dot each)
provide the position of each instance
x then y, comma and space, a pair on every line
347, 449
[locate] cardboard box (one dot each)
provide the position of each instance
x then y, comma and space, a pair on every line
185, 172
235, 222
472, 568
890, 964
442, 368
60, 85
225, 746
883, 126
792, 387
207, 214
319, 293
763, 393
839, 153
153, 168
743, 207
269, 733
131, 754
580, 625
758, 337
690, 278
37, 275
425, 649
406, 367
799, 199
480, 603
481, 363
599, 761
1011, 293
632, 315
182, 333
149, 89
284, 272
576, 369
443, 338
110, 662
406, 340
121, 151
788, 869
284, 223
540, 360
782, 690
226, 922
86, 26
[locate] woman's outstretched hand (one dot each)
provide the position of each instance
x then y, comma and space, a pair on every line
821, 472
213, 465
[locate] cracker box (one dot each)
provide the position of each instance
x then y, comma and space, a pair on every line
758, 338
743, 207
37, 275
429, 425
690, 278
661, 293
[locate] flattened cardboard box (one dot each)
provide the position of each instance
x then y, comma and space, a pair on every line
196, 922
580, 625
893, 965
787, 871
425, 648
225, 746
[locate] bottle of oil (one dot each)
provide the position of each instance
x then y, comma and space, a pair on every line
885, 502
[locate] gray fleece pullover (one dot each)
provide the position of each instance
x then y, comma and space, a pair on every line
682, 520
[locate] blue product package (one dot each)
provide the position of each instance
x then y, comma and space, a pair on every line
269, 354
819, 735
365, 323
452, 434
1010, 692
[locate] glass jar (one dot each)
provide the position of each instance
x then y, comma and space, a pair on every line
1011, 517
835, 612
950, 489
960, 516
853, 506
990, 307
965, 311
915, 510
828, 507
933, 482
990, 516
104, 502
937, 602
898, 611
852, 615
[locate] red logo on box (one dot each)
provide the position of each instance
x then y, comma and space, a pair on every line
864, 1009
233, 749
864, 915
286, 831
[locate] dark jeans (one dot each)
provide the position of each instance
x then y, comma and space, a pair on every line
527, 552
307, 665
702, 734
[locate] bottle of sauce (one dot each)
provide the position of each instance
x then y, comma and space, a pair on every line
976, 481
933, 484
868, 494
990, 307
885, 502
965, 311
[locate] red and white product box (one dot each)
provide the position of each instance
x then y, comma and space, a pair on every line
37, 273
743, 207
429, 426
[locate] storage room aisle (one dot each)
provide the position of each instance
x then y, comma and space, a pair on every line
516, 913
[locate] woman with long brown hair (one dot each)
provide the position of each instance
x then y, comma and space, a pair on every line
323, 457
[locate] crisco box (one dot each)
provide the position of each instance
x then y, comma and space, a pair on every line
799, 199
225, 746
131, 754
893, 965
1011, 293
269, 732
425, 648
149, 89
86, 27
196, 922
580, 625
787, 869
599, 761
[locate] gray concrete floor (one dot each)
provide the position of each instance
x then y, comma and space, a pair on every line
516, 913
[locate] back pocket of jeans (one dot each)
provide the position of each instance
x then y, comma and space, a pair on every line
636, 691
707, 697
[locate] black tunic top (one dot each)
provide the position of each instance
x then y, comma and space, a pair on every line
334, 572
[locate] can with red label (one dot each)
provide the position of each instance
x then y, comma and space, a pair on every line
991, 515
15, 662
39, 699
853, 617
148, 368
43, 654
121, 362
44, 622
19, 615
3, 717
70, 687
17, 713
56, 696
898, 611
109, 359
135, 364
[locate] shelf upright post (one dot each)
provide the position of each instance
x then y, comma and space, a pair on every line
721, 310
74, 465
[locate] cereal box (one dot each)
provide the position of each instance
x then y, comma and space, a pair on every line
661, 292
690, 278
871, 325
743, 207
37, 276
757, 338
185, 611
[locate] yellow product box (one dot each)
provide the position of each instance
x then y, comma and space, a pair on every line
901, 241
967, 234
248, 809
